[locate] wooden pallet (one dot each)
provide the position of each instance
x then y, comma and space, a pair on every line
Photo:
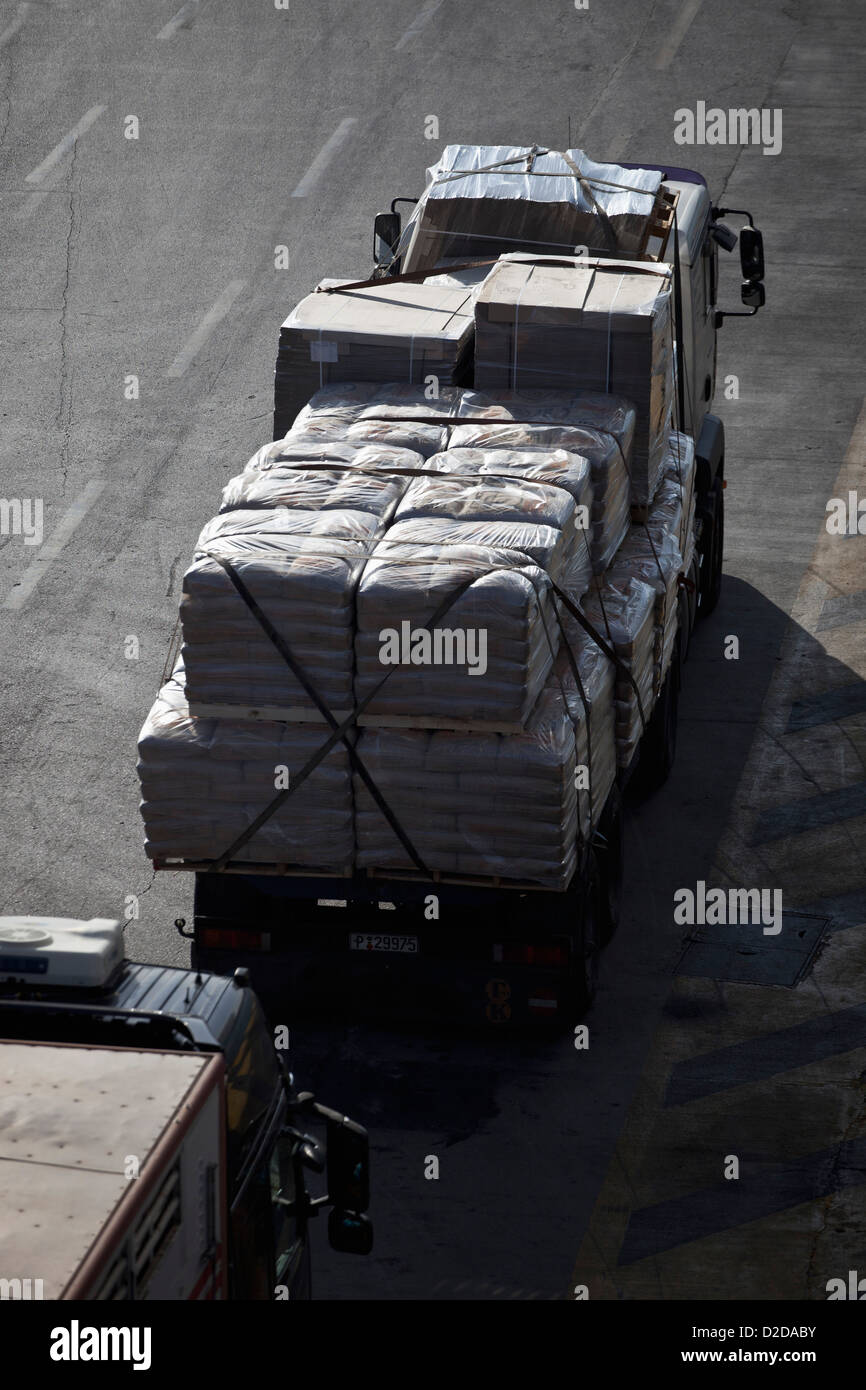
286, 714
464, 880
296, 714
659, 225
456, 726
251, 866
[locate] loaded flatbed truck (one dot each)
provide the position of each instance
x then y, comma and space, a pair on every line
497, 951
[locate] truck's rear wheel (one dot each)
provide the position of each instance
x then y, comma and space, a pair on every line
711, 569
609, 850
586, 946
659, 744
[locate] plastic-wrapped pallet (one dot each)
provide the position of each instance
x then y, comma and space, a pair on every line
475, 803
362, 478
589, 326
305, 585
680, 472
481, 198
656, 560
488, 655
384, 332
624, 615
591, 710
505, 486
203, 781
597, 427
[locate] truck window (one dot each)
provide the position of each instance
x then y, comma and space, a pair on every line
287, 1245
252, 1080
252, 1255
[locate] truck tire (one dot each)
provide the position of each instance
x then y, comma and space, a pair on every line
586, 946
609, 852
659, 744
711, 569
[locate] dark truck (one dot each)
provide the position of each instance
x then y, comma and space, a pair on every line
499, 953
68, 982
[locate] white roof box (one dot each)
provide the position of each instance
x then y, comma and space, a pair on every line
60, 950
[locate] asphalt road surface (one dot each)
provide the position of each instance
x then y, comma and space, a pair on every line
154, 159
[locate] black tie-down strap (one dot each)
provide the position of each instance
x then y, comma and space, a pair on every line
339, 731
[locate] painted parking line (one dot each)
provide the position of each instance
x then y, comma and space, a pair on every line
843, 609
764, 1189
200, 335
181, 20
420, 22
55, 543
768, 1055
68, 142
811, 813
679, 29
12, 28
828, 706
324, 157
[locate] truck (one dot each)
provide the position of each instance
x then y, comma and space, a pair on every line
499, 953
153, 1143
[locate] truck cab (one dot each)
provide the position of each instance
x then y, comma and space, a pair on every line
65, 981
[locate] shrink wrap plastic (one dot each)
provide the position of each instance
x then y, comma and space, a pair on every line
336, 556
624, 614
479, 804
384, 332
204, 780
470, 209
588, 326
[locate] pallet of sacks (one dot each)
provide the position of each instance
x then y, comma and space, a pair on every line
351, 532
383, 332
510, 806
588, 325
204, 781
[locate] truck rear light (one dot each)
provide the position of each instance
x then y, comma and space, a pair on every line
226, 939
515, 953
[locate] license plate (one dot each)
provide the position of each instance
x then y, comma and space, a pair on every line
383, 941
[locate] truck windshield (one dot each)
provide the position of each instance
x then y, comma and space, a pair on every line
253, 1080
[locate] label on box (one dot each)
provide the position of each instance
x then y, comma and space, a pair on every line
322, 351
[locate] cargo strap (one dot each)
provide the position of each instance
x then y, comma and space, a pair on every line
410, 277
339, 733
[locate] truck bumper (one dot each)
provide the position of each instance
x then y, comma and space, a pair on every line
448, 979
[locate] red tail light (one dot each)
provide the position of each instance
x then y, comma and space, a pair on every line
224, 939
515, 953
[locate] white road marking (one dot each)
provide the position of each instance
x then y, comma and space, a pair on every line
677, 34
201, 334
325, 155
424, 17
12, 29
66, 144
181, 18
51, 548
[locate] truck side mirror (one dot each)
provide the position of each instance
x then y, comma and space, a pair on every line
751, 255
753, 294
348, 1165
386, 234
349, 1232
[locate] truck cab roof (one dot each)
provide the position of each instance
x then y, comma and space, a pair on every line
63, 980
